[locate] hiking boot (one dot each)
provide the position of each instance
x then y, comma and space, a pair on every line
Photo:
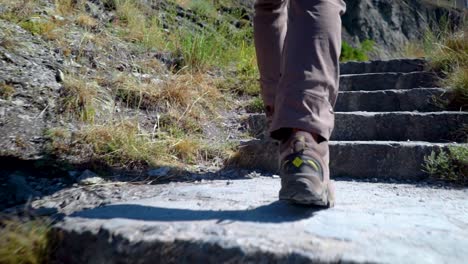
304, 172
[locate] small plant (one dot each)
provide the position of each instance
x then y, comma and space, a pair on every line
451, 165
42, 28
360, 53
6, 91
24, 242
255, 105
457, 81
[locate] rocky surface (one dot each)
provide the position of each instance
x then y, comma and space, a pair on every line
29, 67
242, 221
393, 24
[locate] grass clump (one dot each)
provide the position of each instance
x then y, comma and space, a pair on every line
446, 48
45, 29
126, 145
450, 165
18, 10
67, 7
255, 105
123, 143
6, 91
458, 83
86, 21
136, 26
24, 242
359, 53
81, 98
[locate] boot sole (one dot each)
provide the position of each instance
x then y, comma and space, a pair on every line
299, 193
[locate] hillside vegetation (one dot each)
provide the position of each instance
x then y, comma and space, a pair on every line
141, 81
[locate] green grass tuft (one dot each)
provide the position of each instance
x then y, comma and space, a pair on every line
24, 242
359, 53
451, 165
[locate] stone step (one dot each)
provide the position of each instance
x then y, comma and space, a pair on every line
417, 99
444, 126
396, 65
383, 160
242, 221
387, 81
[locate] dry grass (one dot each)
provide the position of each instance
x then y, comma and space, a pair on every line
6, 91
67, 7
126, 145
82, 98
450, 56
447, 51
457, 81
86, 21
18, 10
7, 39
136, 26
45, 28
24, 242
183, 101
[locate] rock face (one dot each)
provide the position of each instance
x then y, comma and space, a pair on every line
241, 221
392, 23
28, 67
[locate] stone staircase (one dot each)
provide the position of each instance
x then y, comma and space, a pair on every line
380, 133
387, 120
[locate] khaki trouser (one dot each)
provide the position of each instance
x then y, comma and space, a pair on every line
298, 45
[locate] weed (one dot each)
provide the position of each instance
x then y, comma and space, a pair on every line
451, 165
255, 105
6, 91
24, 242
360, 53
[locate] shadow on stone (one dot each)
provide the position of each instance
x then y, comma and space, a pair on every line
276, 212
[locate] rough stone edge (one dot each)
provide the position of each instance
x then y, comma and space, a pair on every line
72, 247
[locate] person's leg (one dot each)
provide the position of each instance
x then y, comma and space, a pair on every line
270, 22
303, 119
308, 86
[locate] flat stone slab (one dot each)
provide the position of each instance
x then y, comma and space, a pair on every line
241, 221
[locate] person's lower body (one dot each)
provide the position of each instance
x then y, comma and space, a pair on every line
298, 45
